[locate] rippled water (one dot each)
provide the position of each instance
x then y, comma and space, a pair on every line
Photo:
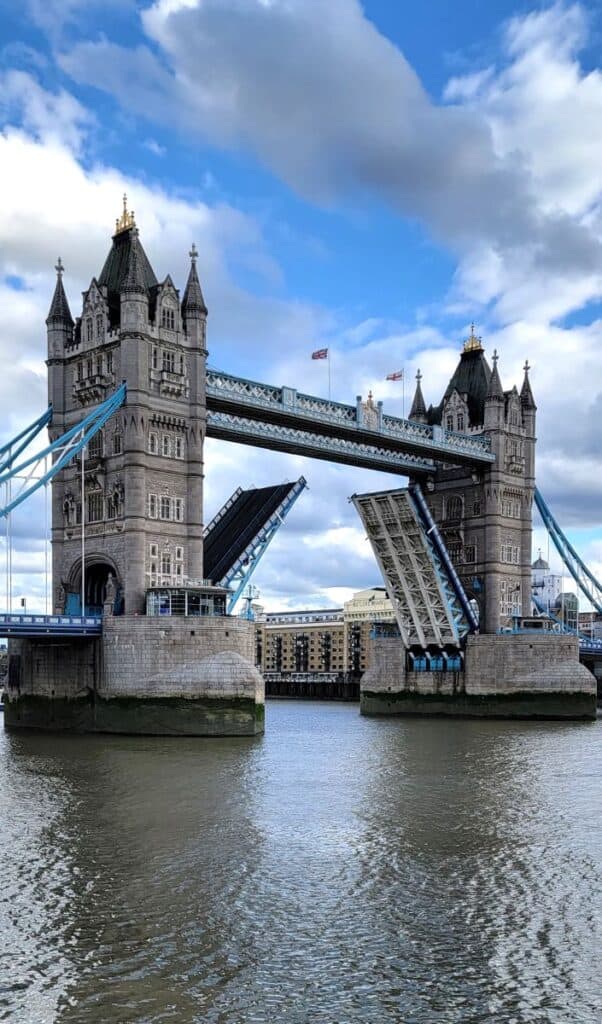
337, 870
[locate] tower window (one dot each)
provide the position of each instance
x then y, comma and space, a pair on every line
165, 507
89, 368
117, 444
453, 507
89, 329
178, 510
80, 371
99, 325
166, 564
155, 359
169, 362
460, 421
179, 554
179, 448
95, 447
153, 443
95, 507
166, 445
152, 506
449, 422
168, 319
154, 551
109, 362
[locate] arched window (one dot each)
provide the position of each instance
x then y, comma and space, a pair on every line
168, 319
460, 421
99, 325
453, 507
96, 446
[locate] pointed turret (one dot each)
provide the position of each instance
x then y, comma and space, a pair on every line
127, 267
193, 303
194, 310
526, 395
495, 391
59, 312
418, 411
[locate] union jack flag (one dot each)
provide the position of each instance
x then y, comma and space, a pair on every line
320, 353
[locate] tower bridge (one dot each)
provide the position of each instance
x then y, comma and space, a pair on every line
131, 401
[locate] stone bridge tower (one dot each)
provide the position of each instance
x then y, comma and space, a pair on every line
486, 516
142, 495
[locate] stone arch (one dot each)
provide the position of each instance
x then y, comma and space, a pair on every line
98, 568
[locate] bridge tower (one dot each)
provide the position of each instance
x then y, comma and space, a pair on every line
142, 493
485, 515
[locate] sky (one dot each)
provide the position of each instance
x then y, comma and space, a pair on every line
368, 177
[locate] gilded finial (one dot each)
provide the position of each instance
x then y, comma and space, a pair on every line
193, 254
127, 219
474, 343
59, 267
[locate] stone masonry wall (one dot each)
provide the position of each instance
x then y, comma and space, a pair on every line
141, 652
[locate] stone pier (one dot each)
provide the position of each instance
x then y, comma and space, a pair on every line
172, 676
505, 676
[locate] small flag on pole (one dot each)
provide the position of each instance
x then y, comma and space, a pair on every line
397, 375
320, 353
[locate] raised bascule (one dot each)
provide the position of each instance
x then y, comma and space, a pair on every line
140, 638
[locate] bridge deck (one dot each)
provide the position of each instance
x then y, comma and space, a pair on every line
19, 625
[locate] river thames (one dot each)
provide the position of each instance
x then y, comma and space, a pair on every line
339, 869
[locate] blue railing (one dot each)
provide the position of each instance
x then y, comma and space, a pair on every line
49, 625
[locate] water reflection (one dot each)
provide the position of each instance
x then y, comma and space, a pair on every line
338, 870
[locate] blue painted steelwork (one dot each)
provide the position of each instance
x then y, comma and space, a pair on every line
244, 567
50, 625
252, 400
279, 437
449, 574
585, 580
12, 449
587, 644
66, 447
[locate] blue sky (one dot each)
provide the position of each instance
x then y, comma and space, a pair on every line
368, 177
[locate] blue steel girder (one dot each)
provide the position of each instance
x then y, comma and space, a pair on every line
285, 406
12, 449
239, 575
62, 450
48, 626
583, 577
228, 427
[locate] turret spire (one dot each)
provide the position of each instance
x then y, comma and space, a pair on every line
193, 303
526, 395
59, 311
418, 410
495, 391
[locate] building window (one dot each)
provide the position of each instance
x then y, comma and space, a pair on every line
182, 365
166, 445
178, 510
470, 553
154, 551
155, 359
453, 507
460, 421
109, 362
165, 507
169, 361
153, 444
455, 553
179, 554
99, 325
89, 329
89, 368
179, 570
99, 365
80, 371
510, 554
449, 422
168, 319
152, 506
95, 507
166, 564
117, 444
96, 446
179, 447
476, 508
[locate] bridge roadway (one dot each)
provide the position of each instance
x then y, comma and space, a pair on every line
284, 419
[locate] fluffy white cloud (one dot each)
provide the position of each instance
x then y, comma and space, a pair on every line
506, 170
